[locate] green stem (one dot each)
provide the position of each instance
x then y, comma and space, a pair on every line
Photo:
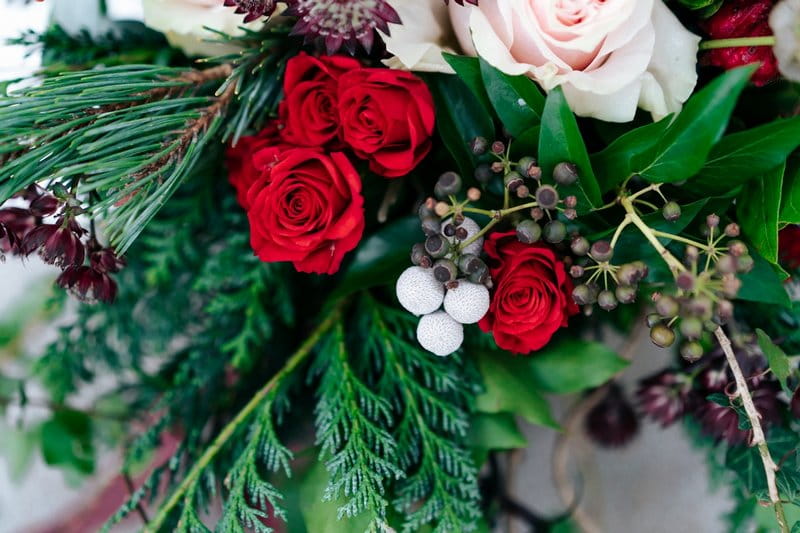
229, 430
492, 223
678, 238
674, 265
766, 40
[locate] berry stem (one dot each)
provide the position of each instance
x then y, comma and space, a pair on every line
766, 40
627, 203
242, 416
624, 224
678, 238
492, 223
758, 432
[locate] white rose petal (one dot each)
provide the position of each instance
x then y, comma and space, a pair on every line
467, 303
440, 334
418, 291
785, 23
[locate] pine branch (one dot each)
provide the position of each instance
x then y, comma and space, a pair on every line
350, 420
441, 486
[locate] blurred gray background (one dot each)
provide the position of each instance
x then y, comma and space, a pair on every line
657, 484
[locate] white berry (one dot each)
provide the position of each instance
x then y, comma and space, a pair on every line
472, 228
440, 334
418, 291
468, 302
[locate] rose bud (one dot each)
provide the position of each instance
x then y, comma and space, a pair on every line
565, 173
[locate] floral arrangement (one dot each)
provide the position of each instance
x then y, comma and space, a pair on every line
331, 252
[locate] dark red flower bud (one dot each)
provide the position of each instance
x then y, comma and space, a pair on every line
44, 205
58, 244
105, 260
664, 397
612, 422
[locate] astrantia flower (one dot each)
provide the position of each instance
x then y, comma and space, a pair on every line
665, 396
722, 422
58, 244
612, 422
254, 9
15, 223
342, 23
88, 284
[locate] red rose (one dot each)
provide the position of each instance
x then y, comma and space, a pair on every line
308, 210
251, 160
309, 111
743, 18
387, 117
532, 297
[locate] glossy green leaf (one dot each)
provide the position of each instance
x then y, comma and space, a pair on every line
516, 99
683, 148
777, 359
763, 284
574, 365
742, 156
561, 140
495, 432
469, 70
614, 164
790, 199
381, 257
507, 381
757, 208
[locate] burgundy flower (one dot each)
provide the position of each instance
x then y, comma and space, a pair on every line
88, 284
58, 244
253, 9
15, 223
743, 18
105, 260
722, 422
612, 422
665, 396
342, 23
44, 205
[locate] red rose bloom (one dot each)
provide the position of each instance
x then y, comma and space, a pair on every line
532, 295
743, 18
251, 160
387, 117
308, 210
309, 111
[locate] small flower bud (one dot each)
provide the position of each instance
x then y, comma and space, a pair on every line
570, 214
441, 209
731, 285
418, 291
727, 264
724, 312
570, 202
691, 351
470, 263
445, 270
431, 225
691, 254
535, 173
525, 164
467, 303
662, 336
580, 246
732, 230
483, 173
420, 257
555, 231
473, 194
691, 328
606, 300
528, 232
745, 264
737, 248
537, 213
498, 167
479, 145
601, 251
652, 319
498, 147
584, 295
565, 173
685, 281
448, 184
712, 220
701, 307
437, 246
513, 180
671, 211
547, 197
577, 271
626, 295
629, 274
523, 191
667, 306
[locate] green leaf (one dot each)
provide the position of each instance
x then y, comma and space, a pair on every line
684, 147
615, 163
560, 140
574, 365
381, 257
460, 117
469, 70
778, 361
508, 388
739, 157
67, 441
763, 284
321, 516
495, 432
757, 209
517, 99
790, 198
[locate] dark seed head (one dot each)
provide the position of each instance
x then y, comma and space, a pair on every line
685, 281
419, 256
461, 233
601, 251
547, 197
528, 231
448, 184
437, 246
525, 165
745, 264
583, 295
555, 231
469, 264
565, 173
431, 225
498, 147
445, 270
